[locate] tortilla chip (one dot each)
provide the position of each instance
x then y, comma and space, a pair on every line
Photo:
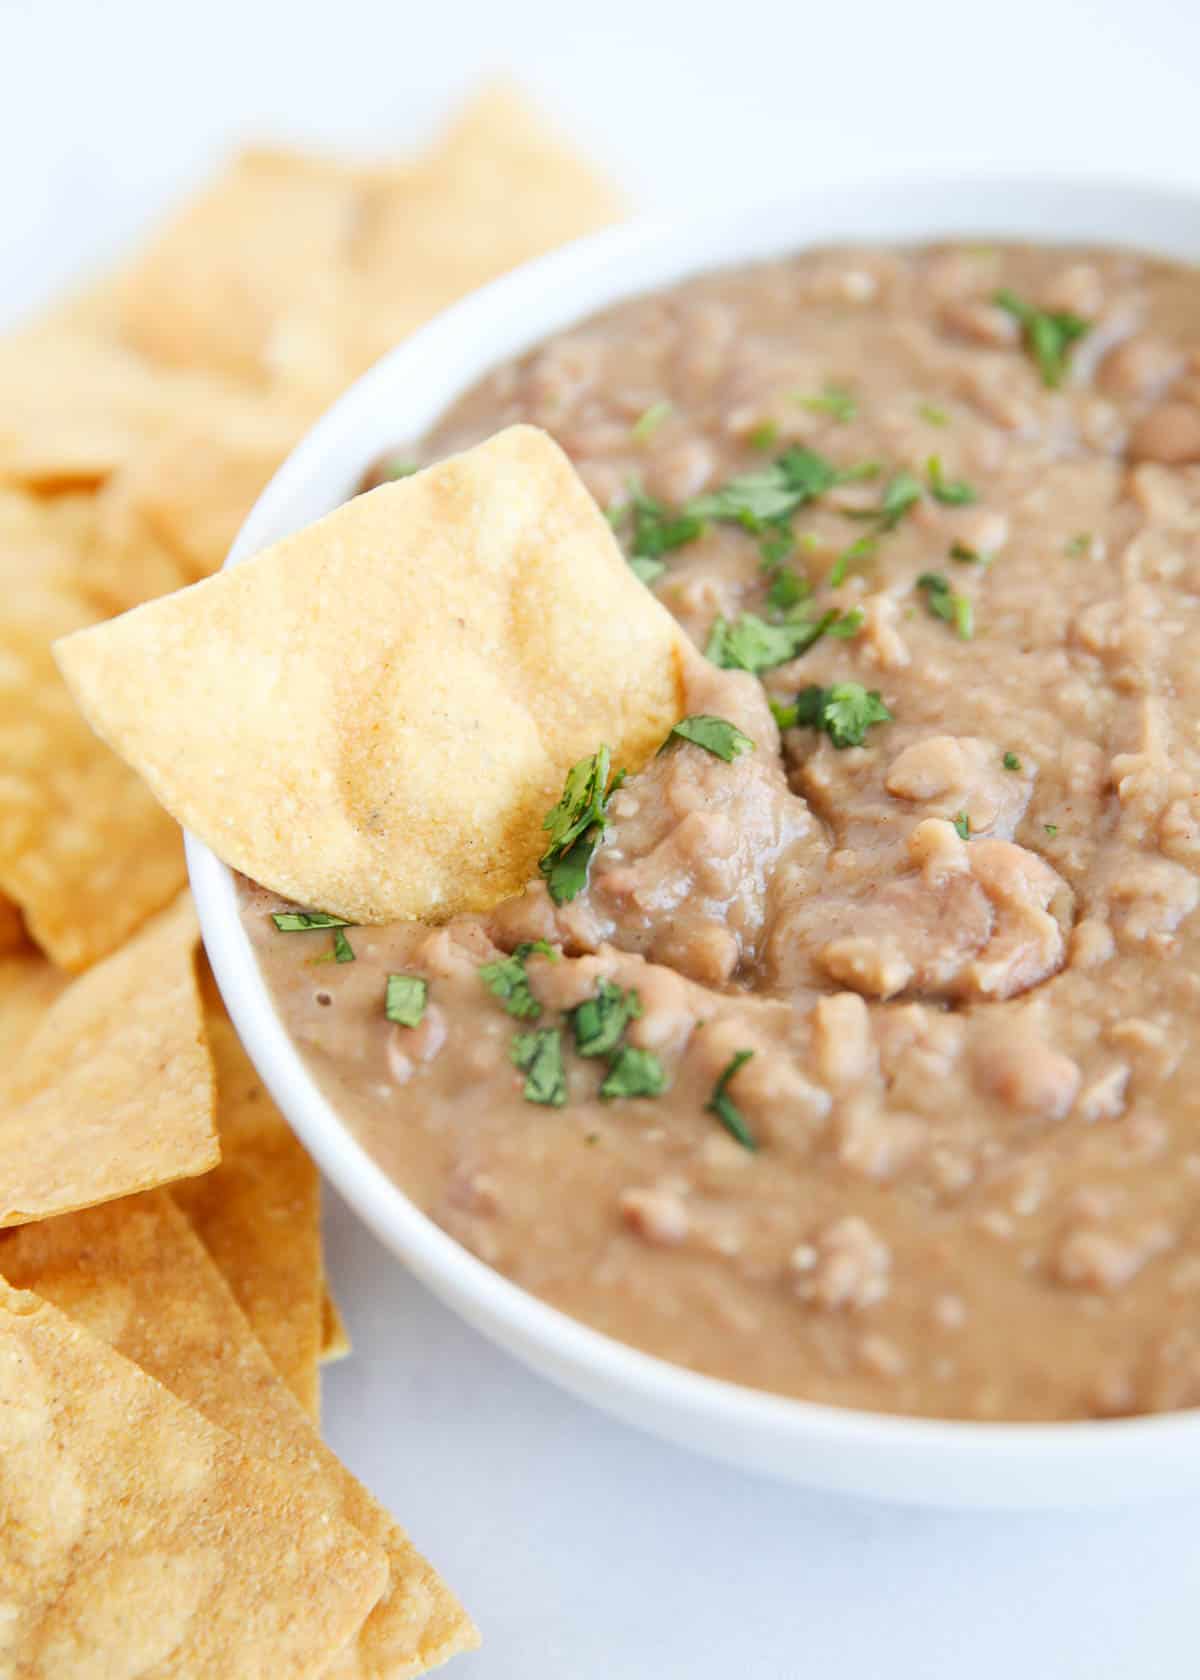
77, 405
335, 1338
170, 515
263, 242
134, 1274
113, 1089
259, 1213
374, 715
296, 271
84, 850
28, 986
12, 927
500, 187
140, 1539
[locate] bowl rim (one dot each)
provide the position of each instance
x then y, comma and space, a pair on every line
420, 378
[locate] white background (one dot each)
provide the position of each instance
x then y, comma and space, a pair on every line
586, 1551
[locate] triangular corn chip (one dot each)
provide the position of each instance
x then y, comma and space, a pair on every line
85, 852
374, 716
112, 1092
139, 1539
134, 1274
258, 1214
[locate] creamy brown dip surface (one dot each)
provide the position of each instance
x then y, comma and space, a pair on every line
964, 953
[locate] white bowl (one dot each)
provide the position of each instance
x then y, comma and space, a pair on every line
923, 1461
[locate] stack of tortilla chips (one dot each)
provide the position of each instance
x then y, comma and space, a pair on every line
166, 1504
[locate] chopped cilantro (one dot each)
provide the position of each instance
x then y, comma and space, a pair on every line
404, 999
847, 626
575, 825
951, 492
775, 547
962, 826
932, 414
861, 549
1011, 761
751, 644
723, 1106
539, 1056
1051, 829
787, 589
845, 712
301, 921
969, 556
861, 473
764, 437
658, 530
507, 980
901, 495
599, 1022
943, 603
633, 1073
1079, 545
771, 494
834, 401
343, 951
649, 571
1049, 335
715, 734
645, 426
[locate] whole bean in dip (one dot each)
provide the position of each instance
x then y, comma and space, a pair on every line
856, 1058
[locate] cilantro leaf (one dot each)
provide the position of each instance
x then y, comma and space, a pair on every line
772, 493
404, 999
861, 549
539, 1056
901, 495
343, 951
751, 644
943, 603
715, 734
776, 546
599, 1022
962, 826
397, 466
633, 1073
848, 625
835, 401
301, 921
845, 712
507, 980
645, 426
1049, 335
647, 570
970, 556
576, 824
951, 492
787, 589
1011, 761
764, 437
726, 1110
659, 530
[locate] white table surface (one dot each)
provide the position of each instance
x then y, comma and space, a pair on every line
586, 1551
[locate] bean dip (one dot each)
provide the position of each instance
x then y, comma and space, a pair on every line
887, 1088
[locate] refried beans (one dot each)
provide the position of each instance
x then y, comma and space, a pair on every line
934, 515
